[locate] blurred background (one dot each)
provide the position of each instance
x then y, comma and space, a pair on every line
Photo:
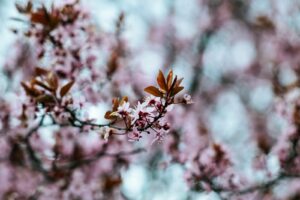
226, 50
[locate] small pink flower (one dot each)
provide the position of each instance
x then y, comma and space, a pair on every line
152, 101
142, 111
124, 110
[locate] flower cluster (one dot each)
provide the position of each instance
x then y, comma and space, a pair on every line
52, 27
66, 42
148, 116
207, 167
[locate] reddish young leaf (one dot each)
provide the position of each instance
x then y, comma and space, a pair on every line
110, 115
39, 17
52, 80
169, 79
41, 84
173, 84
30, 91
24, 9
178, 82
161, 81
113, 63
176, 90
40, 71
115, 102
66, 88
46, 99
124, 99
107, 115
111, 182
263, 22
154, 91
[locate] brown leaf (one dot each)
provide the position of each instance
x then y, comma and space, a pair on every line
52, 80
110, 183
115, 102
65, 89
108, 115
20, 8
173, 84
178, 82
24, 9
30, 91
39, 17
34, 81
46, 99
124, 99
161, 81
219, 152
154, 91
176, 90
113, 63
40, 71
264, 22
169, 79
